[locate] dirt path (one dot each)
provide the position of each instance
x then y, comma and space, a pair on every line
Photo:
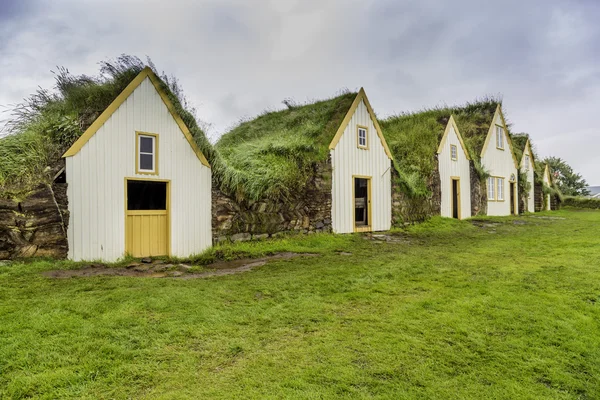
179, 271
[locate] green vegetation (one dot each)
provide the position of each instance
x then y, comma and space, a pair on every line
502, 308
413, 139
274, 154
47, 123
581, 202
565, 179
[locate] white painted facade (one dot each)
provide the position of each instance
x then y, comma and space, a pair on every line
347, 161
546, 180
529, 171
96, 177
500, 163
450, 169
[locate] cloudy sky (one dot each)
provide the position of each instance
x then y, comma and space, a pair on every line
235, 58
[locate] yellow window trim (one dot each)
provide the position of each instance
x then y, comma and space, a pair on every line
452, 123
367, 228
366, 146
106, 114
133, 212
507, 136
503, 136
454, 158
452, 179
361, 96
493, 188
139, 171
496, 188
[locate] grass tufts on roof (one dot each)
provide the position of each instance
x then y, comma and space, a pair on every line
274, 154
413, 139
42, 127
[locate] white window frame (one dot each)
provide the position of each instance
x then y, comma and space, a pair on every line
527, 162
499, 137
453, 152
491, 184
360, 129
499, 189
139, 152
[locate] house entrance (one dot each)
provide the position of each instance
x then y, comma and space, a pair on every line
456, 198
147, 218
512, 199
362, 204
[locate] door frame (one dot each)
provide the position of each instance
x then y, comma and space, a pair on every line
168, 206
369, 227
515, 199
457, 179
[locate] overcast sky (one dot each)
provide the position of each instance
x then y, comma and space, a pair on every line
235, 58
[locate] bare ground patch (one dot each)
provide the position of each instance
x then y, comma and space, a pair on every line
181, 271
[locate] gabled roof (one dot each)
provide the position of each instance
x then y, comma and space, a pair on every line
360, 98
547, 173
491, 133
522, 145
108, 112
452, 123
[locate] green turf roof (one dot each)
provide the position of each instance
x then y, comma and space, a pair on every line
413, 138
272, 154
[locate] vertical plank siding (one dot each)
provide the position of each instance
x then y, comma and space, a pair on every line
450, 168
96, 176
348, 160
500, 163
530, 203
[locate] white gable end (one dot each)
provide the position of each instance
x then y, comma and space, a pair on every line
96, 181
349, 160
454, 169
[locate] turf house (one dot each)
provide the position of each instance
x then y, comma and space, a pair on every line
104, 166
138, 159
499, 160
434, 165
527, 175
322, 166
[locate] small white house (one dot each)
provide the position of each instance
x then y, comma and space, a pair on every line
361, 176
455, 173
547, 182
498, 158
528, 168
137, 182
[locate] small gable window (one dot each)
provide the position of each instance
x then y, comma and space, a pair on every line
147, 153
362, 137
500, 137
453, 152
527, 162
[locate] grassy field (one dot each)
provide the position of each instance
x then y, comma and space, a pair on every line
503, 309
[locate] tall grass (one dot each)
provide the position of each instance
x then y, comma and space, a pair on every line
414, 138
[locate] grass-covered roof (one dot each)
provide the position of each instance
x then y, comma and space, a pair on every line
274, 154
414, 138
47, 123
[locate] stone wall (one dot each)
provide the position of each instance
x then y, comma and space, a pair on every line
478, 193
308, 213
407, 209
35, 226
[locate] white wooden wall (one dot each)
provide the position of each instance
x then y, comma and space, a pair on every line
499, 163
450, 168
530, 203
96, 182
348, 160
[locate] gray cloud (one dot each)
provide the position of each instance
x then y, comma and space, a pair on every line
236, 58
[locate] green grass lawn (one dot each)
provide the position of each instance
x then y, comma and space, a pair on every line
455, 311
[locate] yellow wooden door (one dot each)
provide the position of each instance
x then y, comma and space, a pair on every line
147, 233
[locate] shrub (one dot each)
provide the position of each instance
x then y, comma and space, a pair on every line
581, 202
